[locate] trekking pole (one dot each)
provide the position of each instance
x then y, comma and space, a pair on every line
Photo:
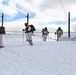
48, 37
23, 34
52, 38
55, 34
6, 34
36, 35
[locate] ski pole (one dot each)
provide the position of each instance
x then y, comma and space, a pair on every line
23, 34
36, 35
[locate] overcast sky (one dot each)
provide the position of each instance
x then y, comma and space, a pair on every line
49, 13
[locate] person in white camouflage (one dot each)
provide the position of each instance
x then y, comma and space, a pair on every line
59, 33
2, 31
45, 33
29, 30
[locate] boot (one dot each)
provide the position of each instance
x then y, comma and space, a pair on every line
30, 41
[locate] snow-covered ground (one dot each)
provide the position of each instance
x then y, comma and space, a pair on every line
43, 58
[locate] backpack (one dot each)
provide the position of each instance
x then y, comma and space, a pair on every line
45, 32
59, 32
2, 30
32, 28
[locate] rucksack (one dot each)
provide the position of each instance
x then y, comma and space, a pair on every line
45, 32
59, 32
2, 30
32, 28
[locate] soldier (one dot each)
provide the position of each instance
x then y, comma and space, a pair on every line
45, 33
2, 31
29, 29
59, 33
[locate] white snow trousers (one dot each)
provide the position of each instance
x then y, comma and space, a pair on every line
1, 39
58, 37
44, 37
29, 36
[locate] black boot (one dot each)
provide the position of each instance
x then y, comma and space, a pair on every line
30, 41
